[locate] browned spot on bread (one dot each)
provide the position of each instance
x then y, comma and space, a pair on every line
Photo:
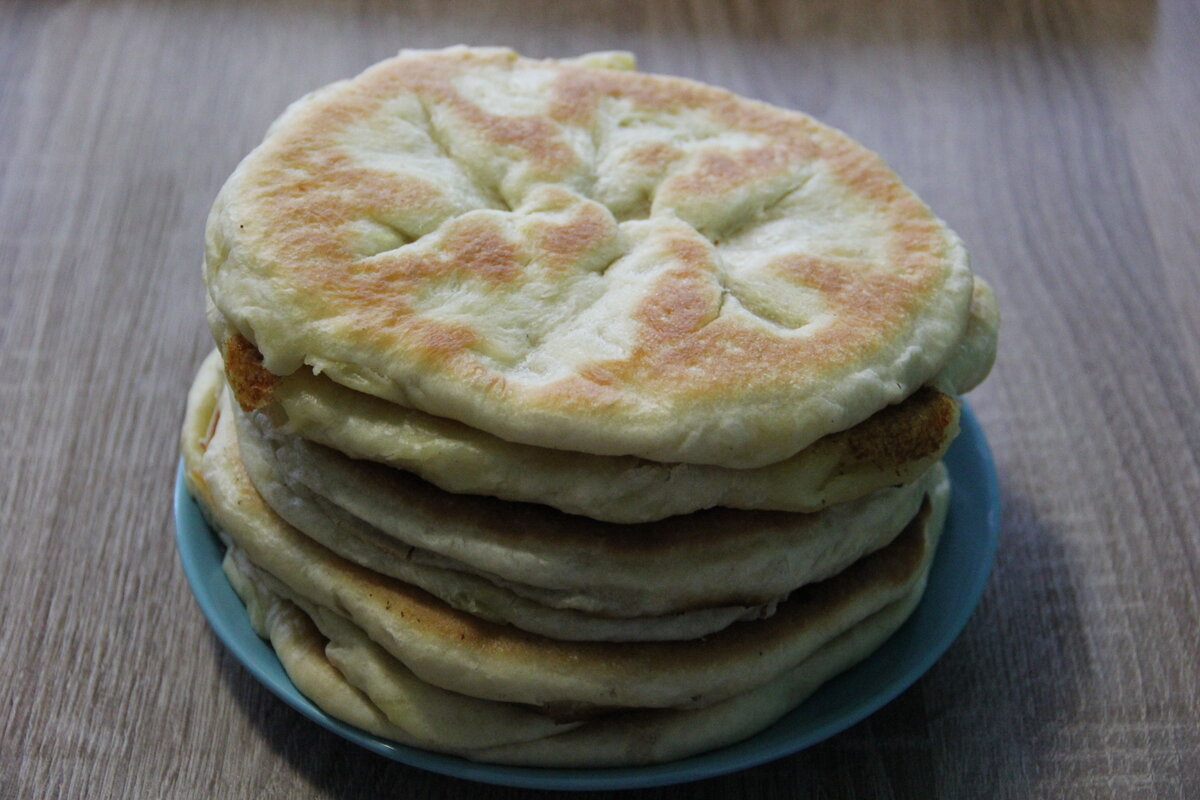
852, 287
597, 375
475, 246
919, 427
717, 173
441, 340
654, 157
209, 431
574, 95
681, 302
253, 385
563, 244
582, 389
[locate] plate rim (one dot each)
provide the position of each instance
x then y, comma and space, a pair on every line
972, 525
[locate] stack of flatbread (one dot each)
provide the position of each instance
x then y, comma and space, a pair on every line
568, 415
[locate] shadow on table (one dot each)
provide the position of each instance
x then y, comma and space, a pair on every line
988, 713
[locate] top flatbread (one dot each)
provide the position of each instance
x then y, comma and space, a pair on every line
581, 257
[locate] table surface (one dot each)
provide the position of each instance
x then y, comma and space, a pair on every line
1060, 140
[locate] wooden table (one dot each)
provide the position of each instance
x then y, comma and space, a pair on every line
1061, 141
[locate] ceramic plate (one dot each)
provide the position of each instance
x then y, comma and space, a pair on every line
956, 581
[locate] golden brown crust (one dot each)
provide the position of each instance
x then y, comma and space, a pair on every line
252, 385
915, 429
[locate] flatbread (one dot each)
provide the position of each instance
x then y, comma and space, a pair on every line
482, 593
462, 653
354, 680
707, 560
405, 709
894, 446
450, 581
576, 256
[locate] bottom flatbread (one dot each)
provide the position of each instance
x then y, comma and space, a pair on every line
340, 669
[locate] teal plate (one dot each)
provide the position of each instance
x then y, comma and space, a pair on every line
956, 581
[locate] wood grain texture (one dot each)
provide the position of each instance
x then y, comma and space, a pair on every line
1059, 138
